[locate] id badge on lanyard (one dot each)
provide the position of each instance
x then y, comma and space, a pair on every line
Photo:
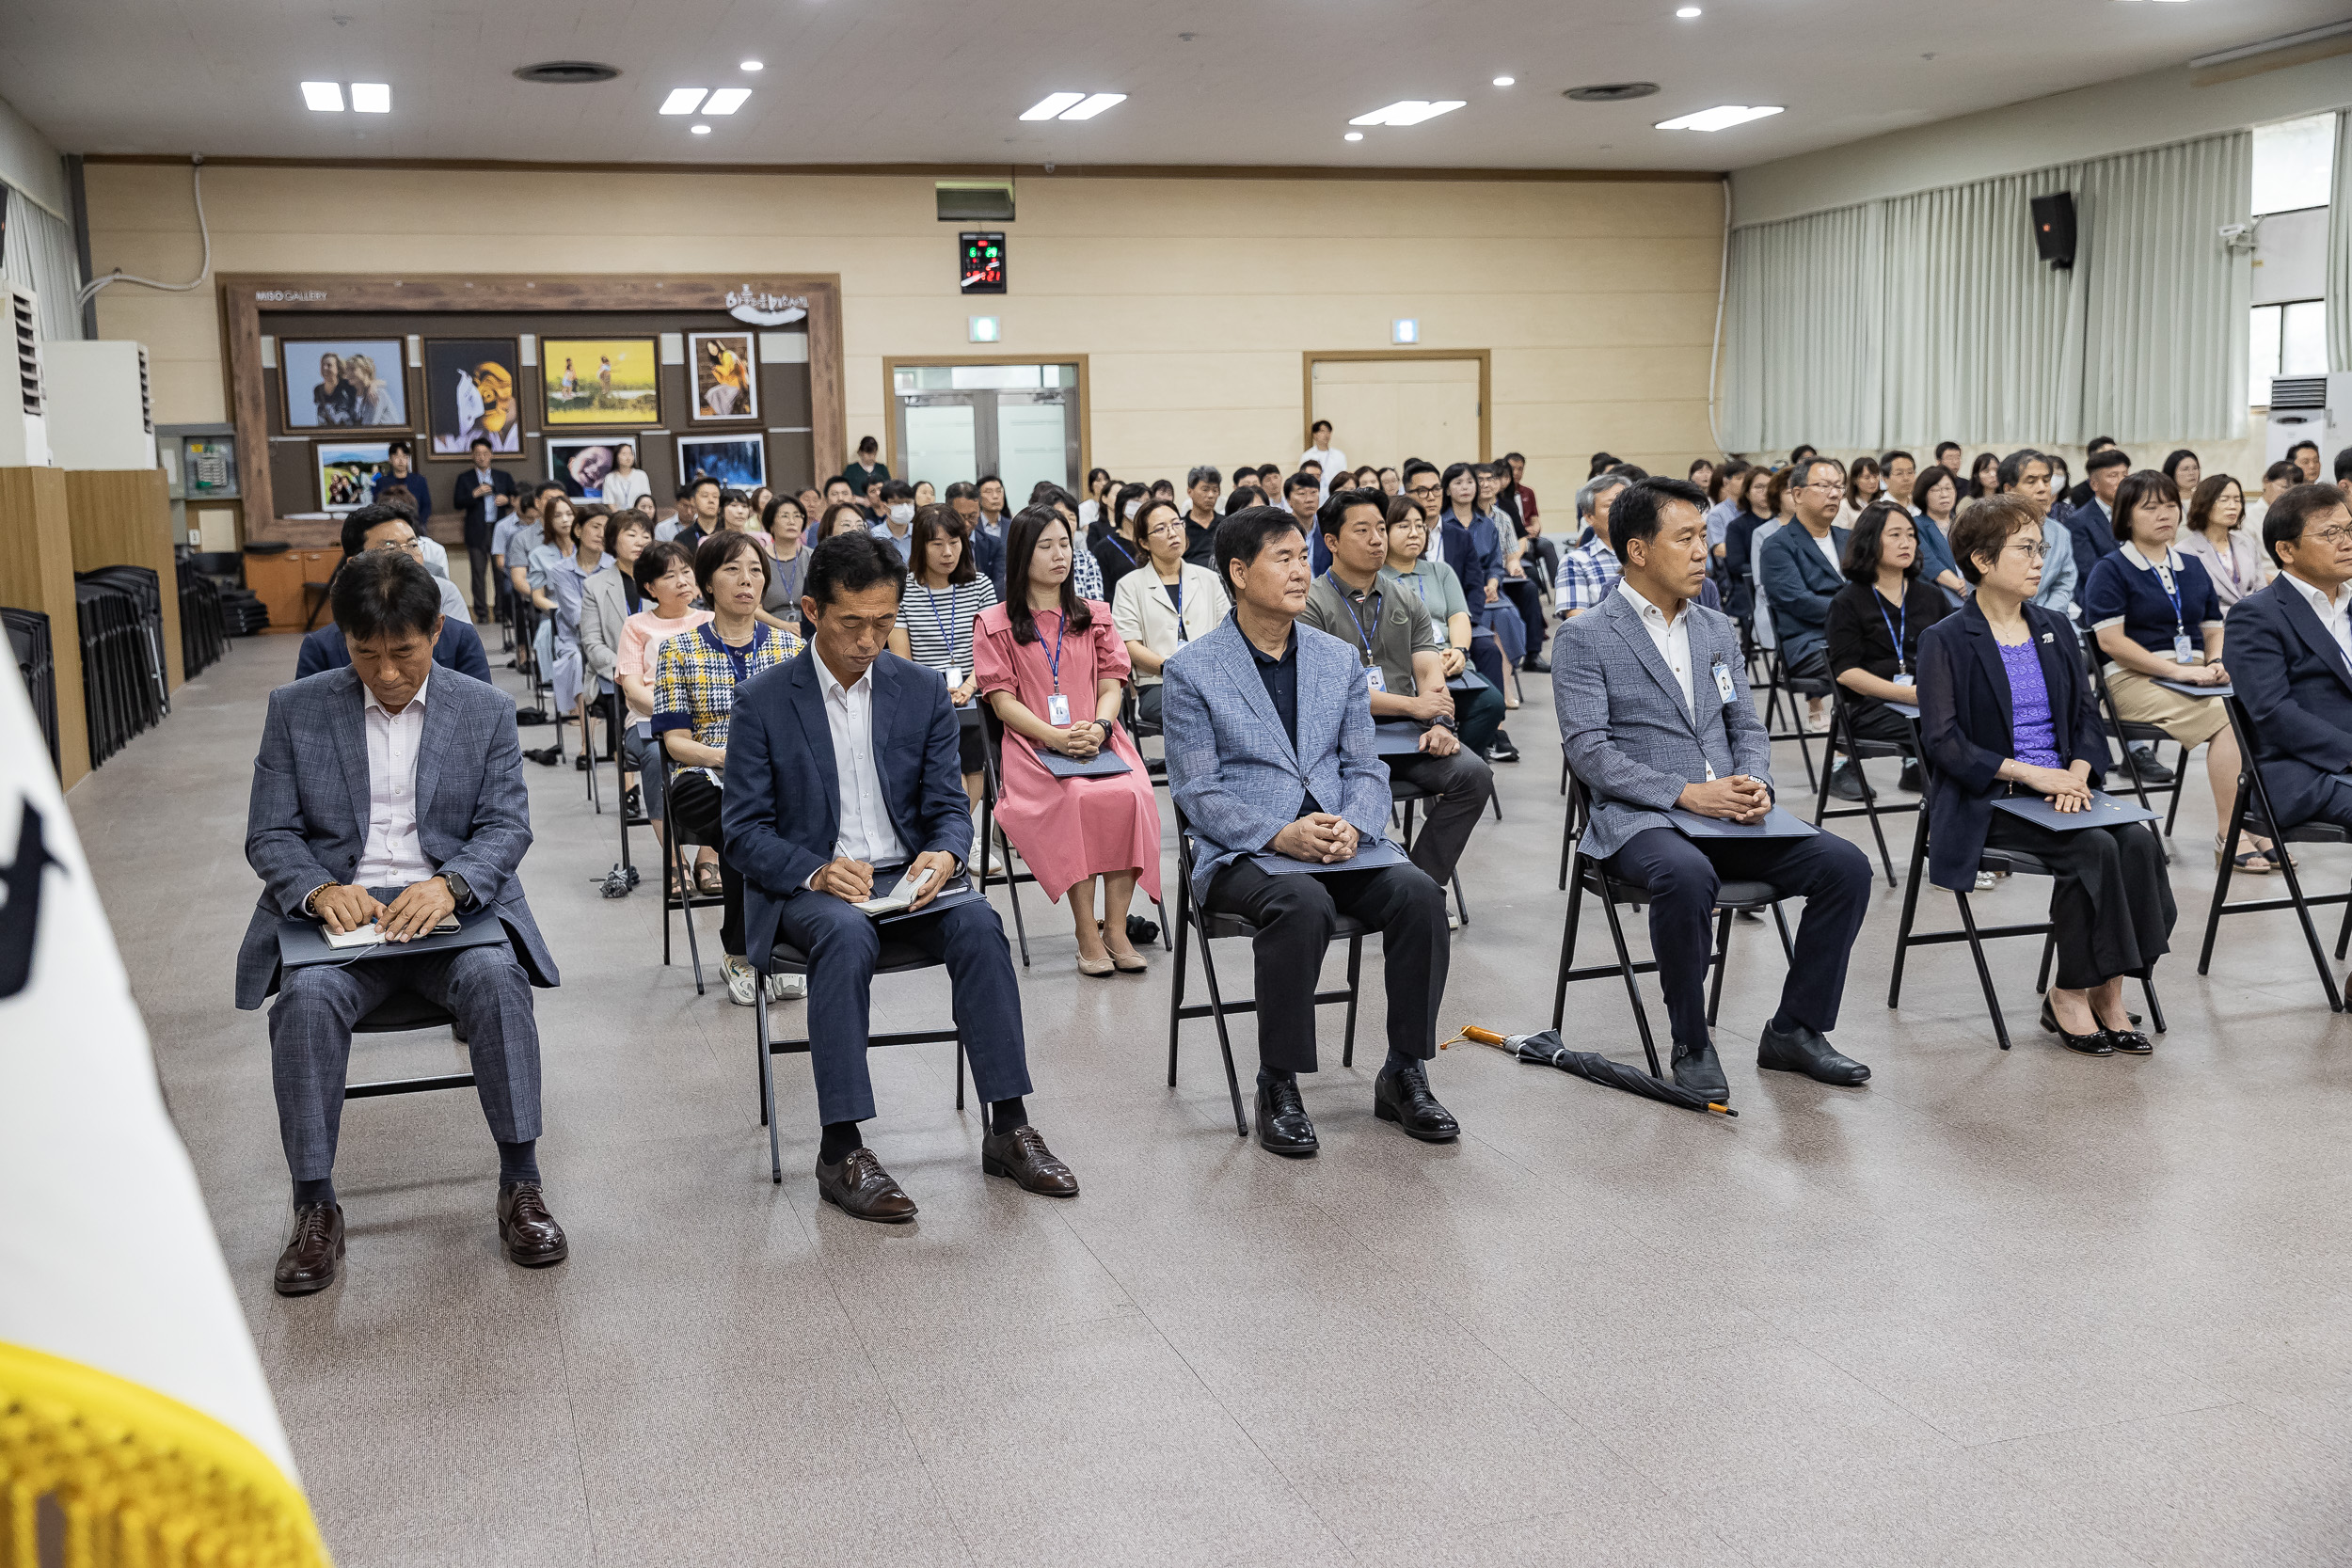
1373, 679
2182, 651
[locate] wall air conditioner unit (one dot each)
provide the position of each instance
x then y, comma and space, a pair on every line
2311, 408
101, 413
24, 395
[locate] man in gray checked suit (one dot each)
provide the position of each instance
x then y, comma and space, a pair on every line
1654, 709
1268, 728
397, 775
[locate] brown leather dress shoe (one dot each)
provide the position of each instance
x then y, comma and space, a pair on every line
307, 1264
531, 1237
1022, 1155
859, 1186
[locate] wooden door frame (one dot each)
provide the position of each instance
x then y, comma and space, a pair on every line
891, 364
1485, 357
245, 295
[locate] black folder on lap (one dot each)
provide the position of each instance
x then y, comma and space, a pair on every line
2105, 811
2187, 690
1468, 680
1776, 824
1397, 739
1373, 856
1105, 764
302, 941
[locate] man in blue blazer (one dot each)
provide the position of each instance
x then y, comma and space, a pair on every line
1268, 729
393, 774
2291, 658
841, 777
381, 527
1798, 576
1652, 696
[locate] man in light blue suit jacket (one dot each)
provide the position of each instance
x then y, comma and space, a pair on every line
398, 776
1655, 715
1268, 730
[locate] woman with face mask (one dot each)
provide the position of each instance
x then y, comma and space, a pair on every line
894, 525
1117, 544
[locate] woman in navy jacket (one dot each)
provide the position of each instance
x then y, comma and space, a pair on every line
2006, 707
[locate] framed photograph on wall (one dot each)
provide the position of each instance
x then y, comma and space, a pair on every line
726, 375
347, 473
738, 462
470, 391
580, 462
601, 381
342, 384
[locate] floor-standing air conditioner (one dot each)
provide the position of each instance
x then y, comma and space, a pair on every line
2311, 408
24, 395
101, 411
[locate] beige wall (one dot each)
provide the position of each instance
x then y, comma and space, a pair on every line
1597, 299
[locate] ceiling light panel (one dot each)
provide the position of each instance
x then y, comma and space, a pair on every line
1094, 106
1052, 105
1719, 119
700, 130
753, 65
683, 100
325, 97
725, 101
371, 98
1408, 111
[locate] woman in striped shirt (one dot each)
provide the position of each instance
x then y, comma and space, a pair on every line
946, 591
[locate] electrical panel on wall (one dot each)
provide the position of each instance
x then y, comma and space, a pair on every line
99, 415
23, 390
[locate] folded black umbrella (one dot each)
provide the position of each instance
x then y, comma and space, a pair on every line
1590, 1065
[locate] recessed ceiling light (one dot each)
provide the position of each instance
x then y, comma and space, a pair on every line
1408, 111
725, 101
700, 130
371, 98
683, 100
1687, 12
1721, 119
1094, 106
326, 97
1504, 81
753, 65
1052, 105
1353, 136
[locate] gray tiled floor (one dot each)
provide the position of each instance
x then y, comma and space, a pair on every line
2023, 1309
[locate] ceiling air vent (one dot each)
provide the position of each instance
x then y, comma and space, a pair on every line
1611, 93
567, 73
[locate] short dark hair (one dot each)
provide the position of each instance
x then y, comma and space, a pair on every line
1984, 528
852, 562
2283, 524
1335, 507
934, 520
897, 490
2291, 472
355, 525
1243, 536
1302, 480
658, 559
1924, 485
2100, 443
1602, 462
1315, 462
1730, 471
694, 486
1802, 449
1020, 541
391, 447
1047, 493
961, 490
2301, 445
1399, 506
2173, 460
385, 593
1319, 425
988, 479
721, 547
842, 480
730, 497
398, 497
2013, 467
2109, 457
1202, 473
1866, 546
867, 443
2343, 464
482, 441
2143, 488
1886, 460
1638, 509
1244, 497
1415, 466
1801, 470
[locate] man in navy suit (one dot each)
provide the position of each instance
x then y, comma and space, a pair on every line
380, 527
987, 549
2291, 658
841, 777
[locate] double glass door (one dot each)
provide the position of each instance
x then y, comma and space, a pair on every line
1019, 422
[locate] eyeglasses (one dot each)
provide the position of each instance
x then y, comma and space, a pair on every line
1828, 489
2331, 537
2029, 549
1420, 489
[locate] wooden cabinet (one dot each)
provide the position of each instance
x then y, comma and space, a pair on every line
277, 581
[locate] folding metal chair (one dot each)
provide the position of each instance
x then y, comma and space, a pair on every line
1842, 739
408, 1012
2131, 731
683, 898
2253, 812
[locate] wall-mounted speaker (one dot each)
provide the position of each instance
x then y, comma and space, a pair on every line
2054, 228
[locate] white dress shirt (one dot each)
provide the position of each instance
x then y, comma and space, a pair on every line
866, 830
1672, 638
2335, 614
391, 856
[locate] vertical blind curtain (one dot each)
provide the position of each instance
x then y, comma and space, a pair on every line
1927, 316
2340, 251
39, 254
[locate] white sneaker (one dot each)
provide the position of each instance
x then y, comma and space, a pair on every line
1986, 881
787, 987
740, 977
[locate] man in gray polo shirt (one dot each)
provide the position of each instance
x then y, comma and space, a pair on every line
1392, 635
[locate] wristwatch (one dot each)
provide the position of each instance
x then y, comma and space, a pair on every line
458, 889
1446, 721
1107, 727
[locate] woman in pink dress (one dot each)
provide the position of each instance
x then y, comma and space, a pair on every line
1052, 666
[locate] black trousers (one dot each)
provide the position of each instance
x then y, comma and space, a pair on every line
1875, 720
2112, 901
1294, 915
1831, 876
1522, 595
478, 564
1461, 784
695, 801
1477, 715
1148, 701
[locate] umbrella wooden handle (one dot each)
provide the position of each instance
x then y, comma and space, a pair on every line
1484, 1036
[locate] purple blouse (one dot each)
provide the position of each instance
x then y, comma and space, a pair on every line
2035, 736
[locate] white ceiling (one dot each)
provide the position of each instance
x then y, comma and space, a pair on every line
1267, 82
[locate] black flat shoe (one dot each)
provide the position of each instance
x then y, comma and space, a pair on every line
2130, 1041
1404, 1097
1283, 1126
2099, 1042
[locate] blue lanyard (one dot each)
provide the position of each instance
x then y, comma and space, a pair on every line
947, 624
1176, 593
1355, 615
2161, 572
1419, 592
1112, 540
1901, 664
1053, 661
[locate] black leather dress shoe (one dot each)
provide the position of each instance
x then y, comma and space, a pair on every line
1403, 1096
1535, 665
1701, 1073
2099, 1042
307, 1264
1283, 1126
1910, 778
859, 1186
1804, 1050
1502, 751
1022, 1155
531, 1237
1848, 784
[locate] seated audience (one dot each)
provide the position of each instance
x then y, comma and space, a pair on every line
1759, 504
1234, 698
2090, 522
1652, 695
2006, 707
567, 585
1158, 609
988, 546
693, 698
945, 593
1588, 568
2025, 474
896, 526
789, 546
1935, 500
1054, 668
2291, 658
841, 779
608, 598
844, 517
1115, 544
1872, 639
1477, 706
1802, 569
2277, 480
380, 527
664, 574
2213, 534
2157, 617
435, 825
1359, 602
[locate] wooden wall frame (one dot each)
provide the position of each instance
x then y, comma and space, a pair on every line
890, 397
1485, 357
245, 297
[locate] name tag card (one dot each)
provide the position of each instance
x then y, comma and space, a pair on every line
1058, 711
